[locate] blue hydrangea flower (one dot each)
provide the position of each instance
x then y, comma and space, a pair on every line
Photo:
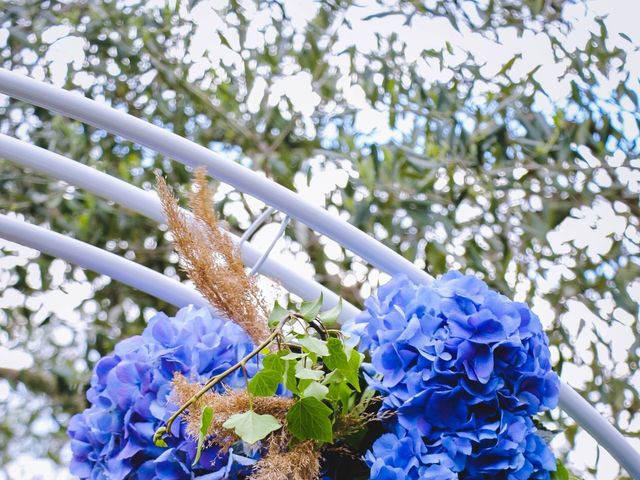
129, 400
396, 456
464, 368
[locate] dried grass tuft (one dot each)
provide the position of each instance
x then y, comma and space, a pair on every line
211, 260
301, 462
280, 462
224, 405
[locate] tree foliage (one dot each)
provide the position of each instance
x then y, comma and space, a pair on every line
471, 168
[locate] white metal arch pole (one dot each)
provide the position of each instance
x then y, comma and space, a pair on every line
98, 260
148, 205
605, 433
174, 146
168, 143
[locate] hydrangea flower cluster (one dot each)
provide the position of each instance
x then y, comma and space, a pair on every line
129, 397
464, 368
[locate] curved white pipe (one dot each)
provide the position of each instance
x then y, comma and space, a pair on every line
256, 267
608, 436
114, 121
168, 143
98, 260
257, 223
148, 205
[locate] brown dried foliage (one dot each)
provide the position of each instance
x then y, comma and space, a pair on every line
281, 462
211, 260
301, 462
225, 405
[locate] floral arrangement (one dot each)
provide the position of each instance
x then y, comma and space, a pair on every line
438, 381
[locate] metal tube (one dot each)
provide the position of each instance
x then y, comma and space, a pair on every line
599, 428
73, 105
98, 260
148, 205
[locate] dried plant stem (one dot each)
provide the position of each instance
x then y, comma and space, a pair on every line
212, 261
213, 381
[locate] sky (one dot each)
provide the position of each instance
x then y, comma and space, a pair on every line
597, 222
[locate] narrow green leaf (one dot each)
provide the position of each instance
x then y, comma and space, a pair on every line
507, 66
224, 40
625, 36
205, 423
207, 418
251, 426
309, 419
158, 441
561, 472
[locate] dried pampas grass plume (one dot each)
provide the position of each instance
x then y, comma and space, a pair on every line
211, 260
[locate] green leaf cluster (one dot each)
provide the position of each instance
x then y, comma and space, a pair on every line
322, 373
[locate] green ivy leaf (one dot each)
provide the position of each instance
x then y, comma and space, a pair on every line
205, 423
274, 361
331, 315
314, 345
290, 381
293, 356
265, 383
355, 360
340, 392
309, 310
316, 390
278, 314
337, 357
309, 374
308, 419
251, 426
337, 360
